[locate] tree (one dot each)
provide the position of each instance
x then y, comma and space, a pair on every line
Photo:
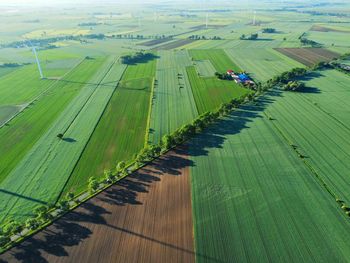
70, 196
167, 142
242, 37
13, 228
108, 176
4, 240
294, 86
60, 136
63, 205
93, 185
120, 166
32, 223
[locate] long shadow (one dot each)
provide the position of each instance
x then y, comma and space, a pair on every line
22, 196
70, 230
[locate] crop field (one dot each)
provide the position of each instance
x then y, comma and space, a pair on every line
121, 131
330, 38
173, 103
267, 182
205, 68
58, 156
218, 59
32, 123
319, 137
209, 93
309, 56
262, 64
175, 44
123, 218
331, 94
254, 199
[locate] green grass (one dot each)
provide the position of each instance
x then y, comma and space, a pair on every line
121, 131
217, 57
172, 106
255, 201
210, 93
50, 161
330, 38
262, 64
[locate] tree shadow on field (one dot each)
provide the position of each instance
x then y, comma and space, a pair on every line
58, 239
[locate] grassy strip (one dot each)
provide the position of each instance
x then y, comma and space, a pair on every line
149, 113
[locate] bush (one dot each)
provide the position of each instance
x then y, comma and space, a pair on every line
93, 185
32, 223
4, 240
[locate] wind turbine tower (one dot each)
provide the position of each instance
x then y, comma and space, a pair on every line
37, 62
254, 19
207, 21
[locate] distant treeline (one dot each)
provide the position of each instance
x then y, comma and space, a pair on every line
47, 42
304, 41
251, 37
197, 37
269, 30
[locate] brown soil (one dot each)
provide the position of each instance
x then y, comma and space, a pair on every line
176, 44
309, 56
147, 217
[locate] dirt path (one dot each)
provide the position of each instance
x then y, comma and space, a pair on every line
147, 217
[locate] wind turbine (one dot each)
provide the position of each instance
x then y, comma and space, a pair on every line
37, 60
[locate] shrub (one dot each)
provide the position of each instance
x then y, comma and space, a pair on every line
4, 240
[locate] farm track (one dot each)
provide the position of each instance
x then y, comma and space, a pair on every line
146, 217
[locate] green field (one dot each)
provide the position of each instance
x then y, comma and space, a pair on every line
121, 131
173, 103
254, 199
209, 93
205, 68
319, 136
23, 132
217, 57
58, 156
262, 64
331, 94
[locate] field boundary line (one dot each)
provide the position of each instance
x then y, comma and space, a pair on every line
150, 110
92, 93
92, 133
41, 94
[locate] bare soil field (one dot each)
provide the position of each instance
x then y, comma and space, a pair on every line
175, 44
309, 56
326, 29
147, 217
154, 42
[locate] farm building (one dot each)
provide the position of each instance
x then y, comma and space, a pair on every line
240, 78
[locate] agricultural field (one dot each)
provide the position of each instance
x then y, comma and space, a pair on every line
117, 127
210, 93
263, 202
121, 218
122, 129
58, 156
173, 102
218, 59
309, 56
262, 64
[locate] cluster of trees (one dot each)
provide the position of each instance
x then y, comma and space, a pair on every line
251, 37
269, 30
294, 86
10, 65
197, 37
223, 76
287, 76
307, 42
137, 57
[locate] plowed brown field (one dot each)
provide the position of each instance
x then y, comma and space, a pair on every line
147, 217
309, 56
